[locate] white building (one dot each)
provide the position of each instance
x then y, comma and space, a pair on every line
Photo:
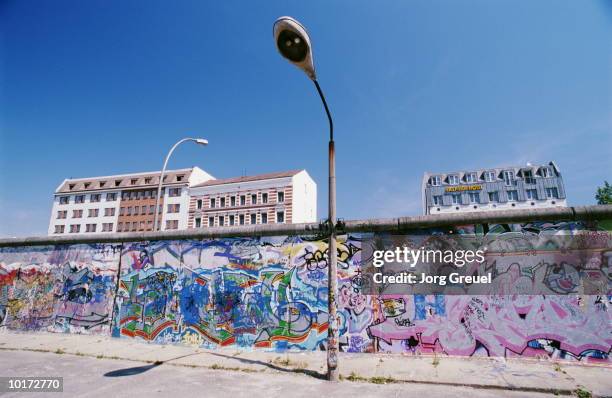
500, 188
285, 197
122, 203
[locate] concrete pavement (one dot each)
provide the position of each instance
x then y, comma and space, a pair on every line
480, 374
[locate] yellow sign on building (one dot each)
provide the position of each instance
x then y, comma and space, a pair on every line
464, 188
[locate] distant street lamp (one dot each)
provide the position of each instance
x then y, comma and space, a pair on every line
293, 43
199, 141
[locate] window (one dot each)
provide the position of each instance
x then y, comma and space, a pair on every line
86, 185
62, 214
180, 178
148, 180
90, 227
125, 195
211, 221
552, 193
71, 186
151, 209
213, 203
241, 219
122, 211
222, 202
129, 211
119, 226
63, 200
532, 194
111, 197
231, 220
437, 200
109, 212
95, 198
435, 181
264, 218
254, 199
280, 217
221, 221
102, 184
512, 196
59, 229
264, 198
174, 208
253, 218
199, 204
232, 201
147, 194
93, 213
172, 224
453, 179
150, 225
173, 192
79, 199
198, 222
509, 177
75, 228
133, 181
141, 226
133, 195
117, 183
77, 213
280, 197
134, 226
456, 198
136, 210
546, 172
494, 196
242, 200
489, 176
107, 227
474, 197
528, 176
470, 177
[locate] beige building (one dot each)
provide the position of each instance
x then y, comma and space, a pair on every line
284, 197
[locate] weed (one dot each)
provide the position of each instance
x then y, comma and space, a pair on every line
582, 393
436, 361
60, 351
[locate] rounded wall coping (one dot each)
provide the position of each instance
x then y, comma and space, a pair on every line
578, 213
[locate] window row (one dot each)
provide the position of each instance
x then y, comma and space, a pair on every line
221, 221
149, 194
508, 176
139, 210
76, 228
252, 199
117, 183
94, 197
134, 226
474, 197
108, 212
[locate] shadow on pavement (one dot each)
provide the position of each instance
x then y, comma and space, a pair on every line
141, 369
307, 372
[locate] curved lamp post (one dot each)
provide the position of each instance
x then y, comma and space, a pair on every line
199, 141
293, 43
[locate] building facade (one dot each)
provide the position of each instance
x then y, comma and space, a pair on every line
123, 203
285, 197
505, 188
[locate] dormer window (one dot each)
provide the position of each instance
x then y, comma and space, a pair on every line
470, 177
86, 185
117, 183
148, 180
179, 178
509, 177
489, 176
546, 172
453, 179
133, 181
71, 186
102, 184
435, 181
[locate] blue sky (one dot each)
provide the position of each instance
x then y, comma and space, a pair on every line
97, 87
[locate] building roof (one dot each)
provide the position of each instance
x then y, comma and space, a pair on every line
517, 170
124, 181
259, 177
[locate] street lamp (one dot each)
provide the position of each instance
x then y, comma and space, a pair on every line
293, 43
199, 141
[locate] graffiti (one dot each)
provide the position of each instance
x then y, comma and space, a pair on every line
271, 293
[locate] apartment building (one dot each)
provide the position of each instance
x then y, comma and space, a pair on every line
123, 203
504, 188
284, 197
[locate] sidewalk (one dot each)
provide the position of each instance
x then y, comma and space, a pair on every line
489, 373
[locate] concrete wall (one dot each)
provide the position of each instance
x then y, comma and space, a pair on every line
260, 288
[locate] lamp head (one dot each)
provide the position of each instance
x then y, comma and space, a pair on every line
293, 43
201, 141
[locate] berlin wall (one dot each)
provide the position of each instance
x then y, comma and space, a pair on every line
265, 287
